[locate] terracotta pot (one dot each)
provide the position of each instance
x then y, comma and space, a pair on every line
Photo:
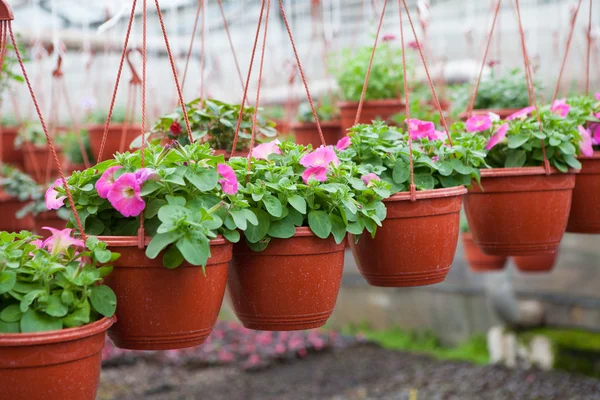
45, 163
539, 263
47, 219
160, 308
292, 285
113, 139
372, 110
282, 126
306, 133
519, 211
585, 209
9, 154
502, 112
478, 261
9, 206
62, 364
416, 243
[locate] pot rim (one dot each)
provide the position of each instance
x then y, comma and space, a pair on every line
97, 127
132, 241
429, 194
324, 124
379, 102
56, 336
522, 171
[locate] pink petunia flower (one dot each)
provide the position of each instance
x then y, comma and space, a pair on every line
479, 123
597, 96
343, 143
369, 177
497, 137
262, 151
388, 37
229, 183
596, 136
586, 142
106, 181
560, 107
60, 241
146, 174
521, 114
413, 45
439, 135
52, 200
323, 156
420, 129
318, 173
124, 196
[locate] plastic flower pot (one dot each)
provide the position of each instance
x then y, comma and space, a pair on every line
113, 138
42, 156
539, 263
585, 209
479, 261
292, 285
372, 110
519, 211
9, 154
9, 206
502, 112
47, 219
160, 308
62, 364
416, 243
306, 133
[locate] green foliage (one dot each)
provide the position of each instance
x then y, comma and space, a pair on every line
326, 111
17, 184
278, 199
9, 65
99, 116
213, 122
46, 287
72, 150
33, 133
383, 150
508, 90
386, 79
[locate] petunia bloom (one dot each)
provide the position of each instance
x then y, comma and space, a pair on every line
263, 151
229, 183
52, 200
597, 96
596, 136
560, 107
497, 137
323, 156
343, 143
494, 117
318, 173
479, 123
420, 129
106, 181
175, 128
369, 177
146, 174
521, 114
388, 37
124, 196
60, 241
586, 142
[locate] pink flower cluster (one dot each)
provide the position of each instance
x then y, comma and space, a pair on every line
481, 123
123, 193
59, 242
560, 107
317, 163
263, 151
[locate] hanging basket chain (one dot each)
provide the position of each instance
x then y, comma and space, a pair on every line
568, 46
141, 230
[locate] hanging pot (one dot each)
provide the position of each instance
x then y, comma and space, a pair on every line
63, 364
113, 138
501, 112
9, 206
477, 260
47, 219
10, 155
160, 308
416, 243
292, 285
306, 133
372, 110
539, 263
519, 211
42, 156
585, 209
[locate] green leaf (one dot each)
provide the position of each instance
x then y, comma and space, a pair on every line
282, 229
34, 321
11, 313
203, 179
152, 207
175, 200
103, 300
401, 172
106, 270
67, 297
9, 327
572, 162
159, 242
80, 316
55, 307
259, 246
239, 218
424, 181
338, 228
149, 187
103, 256
172, 258
567, 148
232, 236
255, 233
171, 213
515, 159
8, 279
516, 141
273, 205
298, 203
320, 223
194, 248
460, 167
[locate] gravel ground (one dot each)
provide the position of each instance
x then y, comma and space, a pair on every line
363, 371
